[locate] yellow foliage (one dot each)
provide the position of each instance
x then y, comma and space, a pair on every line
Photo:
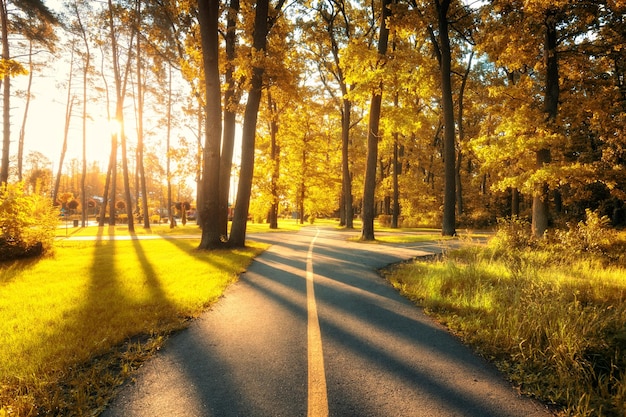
11, 68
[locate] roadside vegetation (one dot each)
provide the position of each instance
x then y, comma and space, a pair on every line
550, 312
27, 223
75, 323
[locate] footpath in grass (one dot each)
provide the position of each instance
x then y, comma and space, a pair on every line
75, 324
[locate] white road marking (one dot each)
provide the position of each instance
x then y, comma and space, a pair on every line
317, 399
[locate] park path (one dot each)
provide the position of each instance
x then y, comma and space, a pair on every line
312, 330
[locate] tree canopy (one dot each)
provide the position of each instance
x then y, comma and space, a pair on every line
443, 113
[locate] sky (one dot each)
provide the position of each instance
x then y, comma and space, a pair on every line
46, 114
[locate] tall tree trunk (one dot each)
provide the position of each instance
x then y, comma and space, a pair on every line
105, 193
108, 194
459, 159
369, 187
68, 117
120, 91
127, 194
86, 62
140, 145
346, 177
302, 187
20, 145
199, 196
240, 218
113, 188
231, 100
208, 11
168, 164
275, 158
449, 196
540, 210
514, 203
395, 209
6, 98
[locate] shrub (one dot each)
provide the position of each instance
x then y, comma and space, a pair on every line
73, 205
384, 220
27, 223
592, 236
479, 218
512, 234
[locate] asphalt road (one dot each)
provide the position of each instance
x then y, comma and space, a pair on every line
312, 330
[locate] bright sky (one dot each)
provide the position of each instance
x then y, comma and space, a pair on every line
46, 116
46, 124
46, 119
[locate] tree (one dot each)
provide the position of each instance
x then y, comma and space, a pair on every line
69, 104
140, 129
22, 136
263, 22
33, 20
78, 9
551, 142
369, 211
232, 96
444, 56
208, 17
337, 27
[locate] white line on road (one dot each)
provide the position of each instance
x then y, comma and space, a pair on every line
317, 399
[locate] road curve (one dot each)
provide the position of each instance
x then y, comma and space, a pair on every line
366, 351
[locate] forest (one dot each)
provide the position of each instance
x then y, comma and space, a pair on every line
441, 113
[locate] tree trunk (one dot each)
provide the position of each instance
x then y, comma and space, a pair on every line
105, 194
126, 176
140, 145
302, 187
199, 196
515, 203
551, 105
168, 164
449, 196
240, 218
275, 158
120, 91
86, 62
369, 188
395, 209
395, 212
346, 176
459, 185
209, 19
231, 100
20, 145
68, 117
6, 101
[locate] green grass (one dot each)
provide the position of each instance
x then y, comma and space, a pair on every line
191, 229
75, 324
553, 320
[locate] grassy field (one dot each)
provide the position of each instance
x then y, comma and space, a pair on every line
75, 324
164, 229
552, 317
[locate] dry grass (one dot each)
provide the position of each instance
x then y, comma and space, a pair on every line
553, 319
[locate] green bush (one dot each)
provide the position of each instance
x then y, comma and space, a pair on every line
27, 223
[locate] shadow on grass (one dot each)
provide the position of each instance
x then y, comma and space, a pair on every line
113, 331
